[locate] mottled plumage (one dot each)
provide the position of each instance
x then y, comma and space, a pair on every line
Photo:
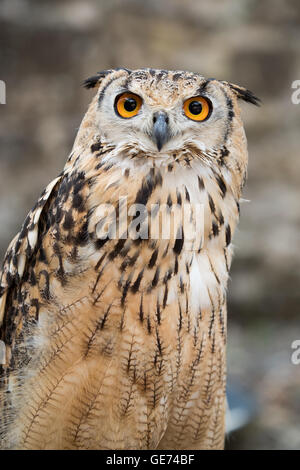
121, 343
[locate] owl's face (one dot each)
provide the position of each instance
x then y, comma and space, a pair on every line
160, 112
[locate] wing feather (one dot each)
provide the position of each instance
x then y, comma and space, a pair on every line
22, 247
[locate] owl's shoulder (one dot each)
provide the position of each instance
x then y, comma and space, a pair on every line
22, 247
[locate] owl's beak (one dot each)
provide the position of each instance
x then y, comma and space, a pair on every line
160, 130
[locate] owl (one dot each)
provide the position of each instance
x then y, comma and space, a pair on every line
113, 294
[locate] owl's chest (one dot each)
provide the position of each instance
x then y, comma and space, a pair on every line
167, 238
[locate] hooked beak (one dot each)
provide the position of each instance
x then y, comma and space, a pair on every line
160, 129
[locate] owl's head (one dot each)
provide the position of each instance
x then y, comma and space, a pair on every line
158, 112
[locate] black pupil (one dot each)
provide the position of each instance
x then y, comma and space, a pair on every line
195, 107
130, 104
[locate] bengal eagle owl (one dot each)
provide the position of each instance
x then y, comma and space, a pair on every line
119, 342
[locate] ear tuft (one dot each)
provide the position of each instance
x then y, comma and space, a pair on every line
245, 94
95, 80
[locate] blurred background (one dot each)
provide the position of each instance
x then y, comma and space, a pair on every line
48, 47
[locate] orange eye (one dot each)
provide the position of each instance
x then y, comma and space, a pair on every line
128, 105
197, 108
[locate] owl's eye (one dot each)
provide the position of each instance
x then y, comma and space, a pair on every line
197, 108
128, 105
